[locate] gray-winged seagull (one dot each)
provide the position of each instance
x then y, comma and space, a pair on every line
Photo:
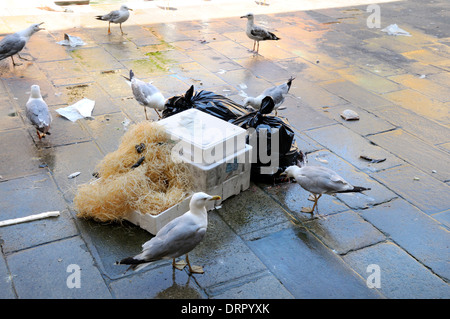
176, 238
320, 180
116, 16
37, 112
14, 43
276, 92
257, 33
146, 94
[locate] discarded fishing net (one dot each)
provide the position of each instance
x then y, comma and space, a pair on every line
139, 175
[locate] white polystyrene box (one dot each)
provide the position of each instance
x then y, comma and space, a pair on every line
203, 138
235, 179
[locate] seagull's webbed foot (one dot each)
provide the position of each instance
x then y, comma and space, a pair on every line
23, 57
179, 265
194, 269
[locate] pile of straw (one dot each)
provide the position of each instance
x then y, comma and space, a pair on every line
155, 185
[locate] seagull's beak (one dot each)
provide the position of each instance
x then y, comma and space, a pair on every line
283, 174
130, 9
40, 25
244, 17
215, 197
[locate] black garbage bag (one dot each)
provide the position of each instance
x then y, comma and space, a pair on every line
272, 139
206, 101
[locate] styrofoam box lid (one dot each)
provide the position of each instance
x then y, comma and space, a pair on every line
200, 129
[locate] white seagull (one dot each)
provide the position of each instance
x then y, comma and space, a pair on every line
37, 112
257, 33
146, 94
14, 43
116, 16
320, 180
276, 92
176, 238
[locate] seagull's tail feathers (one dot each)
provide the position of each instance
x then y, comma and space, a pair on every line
356, 189
271, 36
135, 264
289, 83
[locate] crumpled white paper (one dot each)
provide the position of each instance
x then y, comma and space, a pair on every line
71, 40
393, 29
79, 110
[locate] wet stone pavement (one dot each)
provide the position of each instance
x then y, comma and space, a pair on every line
258, 244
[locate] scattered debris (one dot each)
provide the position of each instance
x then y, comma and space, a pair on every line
29, 218
416, 178
43, 165
243, 86
73, 175
70, 40
393, 29
321, 160
422, 76
434, 171
367, 158
349, 115
140, 148
79, 110
139, 162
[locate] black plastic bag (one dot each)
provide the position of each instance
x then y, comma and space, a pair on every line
206, 101
272, 139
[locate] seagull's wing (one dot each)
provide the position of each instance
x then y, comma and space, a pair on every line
321, 180
178, 238
143, 91
277, 94
113, 15
263, 34
11, 45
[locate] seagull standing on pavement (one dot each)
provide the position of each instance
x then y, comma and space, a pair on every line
176, 238
257, 33
14, 43
146, 94
116, 16
320, 180
276, 92
37, 112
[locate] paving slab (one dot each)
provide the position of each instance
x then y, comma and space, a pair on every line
11, 165
417, 187
350, 146
28, 196
355, 94
261, 286
421, 236
160, 283
428, 158
317, 267
401, 276
425, 129
50, 279
6, 285
344, 232
368, 122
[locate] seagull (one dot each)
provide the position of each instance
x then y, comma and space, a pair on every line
116, 16
257, 33
14, 43
146, 94
276, 92
176, 238
37, 112
320, 180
